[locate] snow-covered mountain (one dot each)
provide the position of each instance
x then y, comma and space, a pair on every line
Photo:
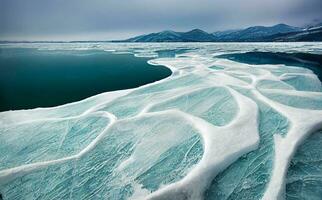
254, 33
309, 34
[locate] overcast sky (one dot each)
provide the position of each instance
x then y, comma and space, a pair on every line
119, 19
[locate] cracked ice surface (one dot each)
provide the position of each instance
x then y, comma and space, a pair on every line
214, 129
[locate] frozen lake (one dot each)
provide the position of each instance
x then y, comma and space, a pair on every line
222, 126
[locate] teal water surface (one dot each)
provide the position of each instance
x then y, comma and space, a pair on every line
31, 78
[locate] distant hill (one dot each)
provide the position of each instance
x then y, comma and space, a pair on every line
279, 32
256, 32
195, 35
311, 34
164, 36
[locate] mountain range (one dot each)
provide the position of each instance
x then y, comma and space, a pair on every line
279, 32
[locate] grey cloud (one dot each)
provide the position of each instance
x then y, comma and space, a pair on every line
113, 19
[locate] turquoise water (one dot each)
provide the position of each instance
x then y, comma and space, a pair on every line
31, 78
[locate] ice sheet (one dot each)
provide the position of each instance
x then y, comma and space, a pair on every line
214, 129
